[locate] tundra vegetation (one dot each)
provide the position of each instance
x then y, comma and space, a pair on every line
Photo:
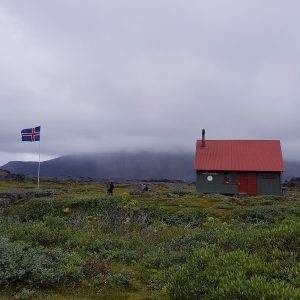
168, 243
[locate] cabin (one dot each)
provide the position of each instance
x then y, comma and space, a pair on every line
242, 167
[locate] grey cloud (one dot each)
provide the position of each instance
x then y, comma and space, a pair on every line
148, 75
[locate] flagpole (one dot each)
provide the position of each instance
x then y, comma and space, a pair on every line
39, 166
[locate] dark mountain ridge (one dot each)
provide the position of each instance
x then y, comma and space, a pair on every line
123, 166
112, 166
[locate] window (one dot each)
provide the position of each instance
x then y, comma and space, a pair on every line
268, 175
230, 178
227, 178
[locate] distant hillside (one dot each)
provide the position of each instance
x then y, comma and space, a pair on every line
123, 166
7, 176
112, 166
292, 169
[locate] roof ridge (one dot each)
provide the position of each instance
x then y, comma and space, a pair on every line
242, 140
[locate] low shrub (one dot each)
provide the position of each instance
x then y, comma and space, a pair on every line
24, 294
174, 251
213, 274
261, 214
36, 266
256, 287
39, 233
121, 279
94, 267
109, 249
224, 205
179, 192
187, 217
36, 209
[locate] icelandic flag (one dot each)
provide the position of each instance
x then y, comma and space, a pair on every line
31, 134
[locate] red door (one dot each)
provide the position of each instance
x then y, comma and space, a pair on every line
243, 183
247, 183
252, 184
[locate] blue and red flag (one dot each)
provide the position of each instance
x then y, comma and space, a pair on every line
31, 134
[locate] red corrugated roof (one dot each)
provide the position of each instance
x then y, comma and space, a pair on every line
239, 155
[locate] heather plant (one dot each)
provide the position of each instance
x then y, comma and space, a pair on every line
260, 214
36, 266
179, 192
39, 233
110, 249
212, 274
24, 294
94, 266
121, 279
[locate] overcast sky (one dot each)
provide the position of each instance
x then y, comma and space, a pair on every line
137, 75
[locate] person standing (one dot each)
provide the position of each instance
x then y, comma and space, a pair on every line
110, 188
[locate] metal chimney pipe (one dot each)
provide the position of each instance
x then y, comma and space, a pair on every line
203, 138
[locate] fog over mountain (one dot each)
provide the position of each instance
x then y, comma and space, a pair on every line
123, 166
117, 76
113, 166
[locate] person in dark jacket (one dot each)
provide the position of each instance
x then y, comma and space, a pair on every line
145, 188
110, 188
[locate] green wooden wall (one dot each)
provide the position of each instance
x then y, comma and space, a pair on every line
268, 183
